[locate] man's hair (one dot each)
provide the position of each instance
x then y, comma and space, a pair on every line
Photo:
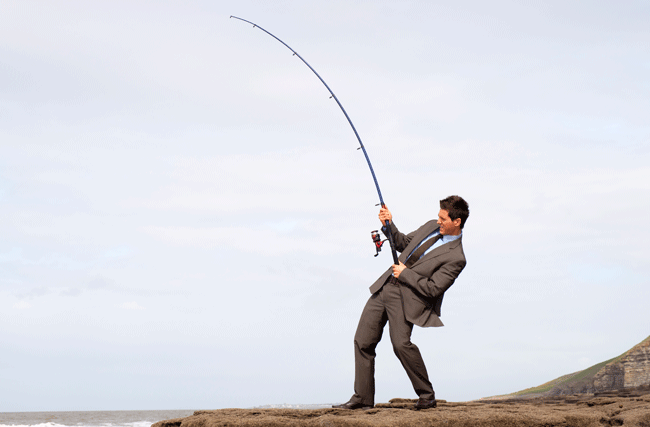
457, 207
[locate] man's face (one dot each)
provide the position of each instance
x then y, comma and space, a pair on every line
447, 225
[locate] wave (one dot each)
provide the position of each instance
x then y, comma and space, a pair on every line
129, 424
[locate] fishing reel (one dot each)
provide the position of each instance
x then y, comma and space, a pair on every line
376, 238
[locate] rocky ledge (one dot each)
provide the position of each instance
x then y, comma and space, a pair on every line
628, 407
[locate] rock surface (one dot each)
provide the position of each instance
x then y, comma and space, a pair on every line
636, 365
629, 407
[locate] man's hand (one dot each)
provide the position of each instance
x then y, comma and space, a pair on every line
385, 215
397, 269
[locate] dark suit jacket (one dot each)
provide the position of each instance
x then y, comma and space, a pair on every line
425, 282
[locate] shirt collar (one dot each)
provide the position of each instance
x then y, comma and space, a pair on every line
445, 238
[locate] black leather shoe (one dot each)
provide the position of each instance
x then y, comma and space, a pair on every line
352, 405
425, 404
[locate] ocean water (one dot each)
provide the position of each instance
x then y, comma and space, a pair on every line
88, 418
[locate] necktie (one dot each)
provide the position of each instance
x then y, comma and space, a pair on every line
415, 256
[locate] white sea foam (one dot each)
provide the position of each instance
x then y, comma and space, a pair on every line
89, 418
33, 425
129, 424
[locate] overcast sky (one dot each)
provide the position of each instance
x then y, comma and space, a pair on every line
185, 219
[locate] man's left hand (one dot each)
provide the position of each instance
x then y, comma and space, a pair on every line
397, 269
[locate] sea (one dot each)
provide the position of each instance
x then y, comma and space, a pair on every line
89, 418
110, 418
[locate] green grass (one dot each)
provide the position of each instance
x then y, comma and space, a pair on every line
574, 378
567, 380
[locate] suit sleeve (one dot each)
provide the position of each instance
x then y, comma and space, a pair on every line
400, 239
441, 280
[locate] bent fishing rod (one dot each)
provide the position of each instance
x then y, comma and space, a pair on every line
375, 237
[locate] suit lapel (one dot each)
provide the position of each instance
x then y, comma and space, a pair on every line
442, 249
417, 239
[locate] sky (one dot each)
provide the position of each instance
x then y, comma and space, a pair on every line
185, 218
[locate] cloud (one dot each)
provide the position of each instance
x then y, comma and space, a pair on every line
37, 291
131, 305
255, 239
292, 180
22, 305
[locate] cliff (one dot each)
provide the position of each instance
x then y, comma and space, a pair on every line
630, 369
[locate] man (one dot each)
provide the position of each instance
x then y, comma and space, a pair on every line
409, 293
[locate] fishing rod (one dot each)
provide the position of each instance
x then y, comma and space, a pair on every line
389, 234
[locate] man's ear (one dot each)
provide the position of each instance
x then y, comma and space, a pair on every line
456, 222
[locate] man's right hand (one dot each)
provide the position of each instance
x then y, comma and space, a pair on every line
385, 215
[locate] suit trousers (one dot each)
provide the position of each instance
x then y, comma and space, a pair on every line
386, 306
